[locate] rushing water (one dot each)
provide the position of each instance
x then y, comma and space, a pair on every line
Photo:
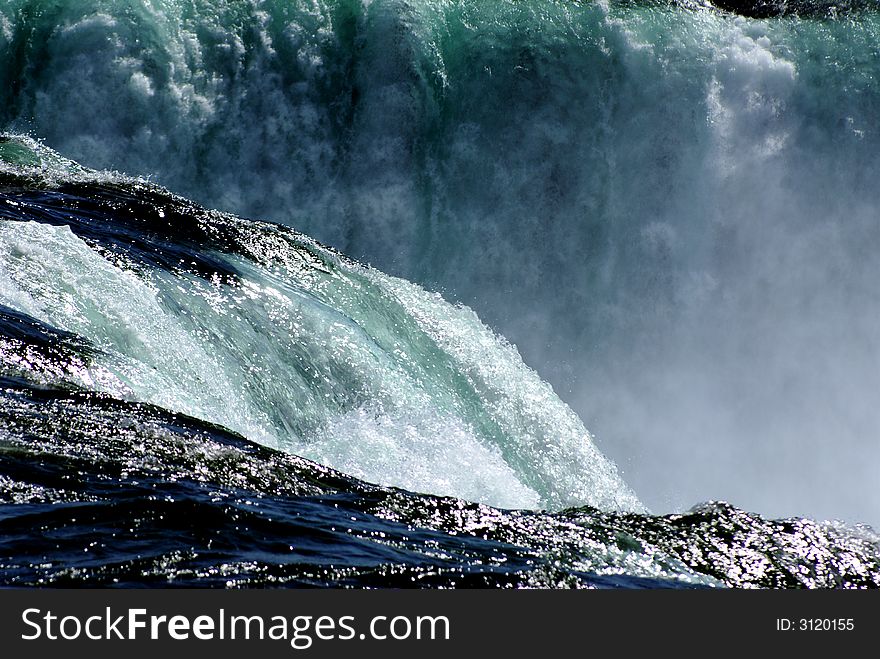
668, 210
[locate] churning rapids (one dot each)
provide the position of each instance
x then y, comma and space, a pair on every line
190, 398
660, 217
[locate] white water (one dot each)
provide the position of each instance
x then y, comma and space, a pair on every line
360, 371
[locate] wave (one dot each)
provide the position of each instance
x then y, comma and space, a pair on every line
264, 331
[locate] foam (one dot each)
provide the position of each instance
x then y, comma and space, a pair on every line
349, 367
